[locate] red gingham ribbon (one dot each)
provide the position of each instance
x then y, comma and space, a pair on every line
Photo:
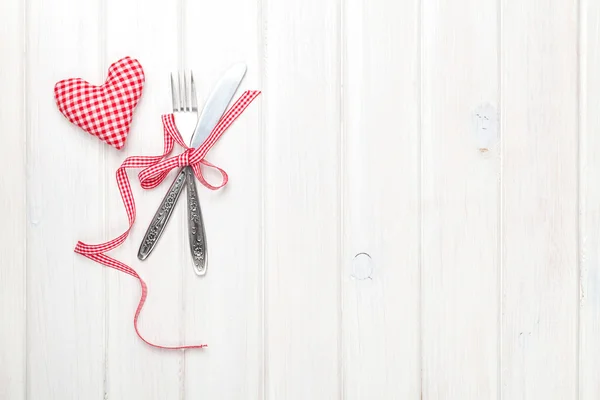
156, 169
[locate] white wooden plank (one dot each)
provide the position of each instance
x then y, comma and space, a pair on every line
65, 198
13, 200
460, 187
589, 195
539, 191
381, 294
224, 307
302, 217
149, 33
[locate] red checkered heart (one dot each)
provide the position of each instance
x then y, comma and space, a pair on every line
103, 111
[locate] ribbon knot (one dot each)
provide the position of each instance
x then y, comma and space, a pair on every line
193, 156
183, 160
156, 169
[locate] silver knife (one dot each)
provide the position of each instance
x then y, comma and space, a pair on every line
217, 103
214, 108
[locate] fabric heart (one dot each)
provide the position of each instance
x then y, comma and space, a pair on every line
104, 111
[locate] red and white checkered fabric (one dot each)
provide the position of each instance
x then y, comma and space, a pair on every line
104, 111
156, 169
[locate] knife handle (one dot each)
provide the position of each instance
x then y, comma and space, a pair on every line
158, 223
196, 231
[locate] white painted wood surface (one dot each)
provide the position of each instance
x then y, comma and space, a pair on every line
13, 325
539, 212
589, 200
380, 156
413, 210
460, 199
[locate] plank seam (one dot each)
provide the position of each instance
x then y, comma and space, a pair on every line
500, 242
341, 179
105, 207
420, 191
181, 53
262, 43
261, 180
27, 126
580, 208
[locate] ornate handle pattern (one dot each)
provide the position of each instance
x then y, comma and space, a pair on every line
158, 223
196, 231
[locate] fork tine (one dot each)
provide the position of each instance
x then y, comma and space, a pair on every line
183, 91
187, 91
173, 96
190, 87
181, 96
194, 97
180, 93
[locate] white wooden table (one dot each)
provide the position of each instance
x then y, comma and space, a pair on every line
413, 210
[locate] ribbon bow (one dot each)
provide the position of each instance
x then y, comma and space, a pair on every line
156, 169
153, 175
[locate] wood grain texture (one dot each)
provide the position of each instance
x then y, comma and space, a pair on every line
539, 199
448, 144
224, 307
460, 204
65, 198
302, 218
13, 199
135, 370
589, 215
381, 171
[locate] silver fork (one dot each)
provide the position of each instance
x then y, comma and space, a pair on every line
185, 108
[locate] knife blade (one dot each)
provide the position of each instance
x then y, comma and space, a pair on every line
217, 103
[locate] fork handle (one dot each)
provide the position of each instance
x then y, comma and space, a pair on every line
158, 223
196, 230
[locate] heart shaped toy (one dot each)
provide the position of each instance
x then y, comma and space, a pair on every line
104, 111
